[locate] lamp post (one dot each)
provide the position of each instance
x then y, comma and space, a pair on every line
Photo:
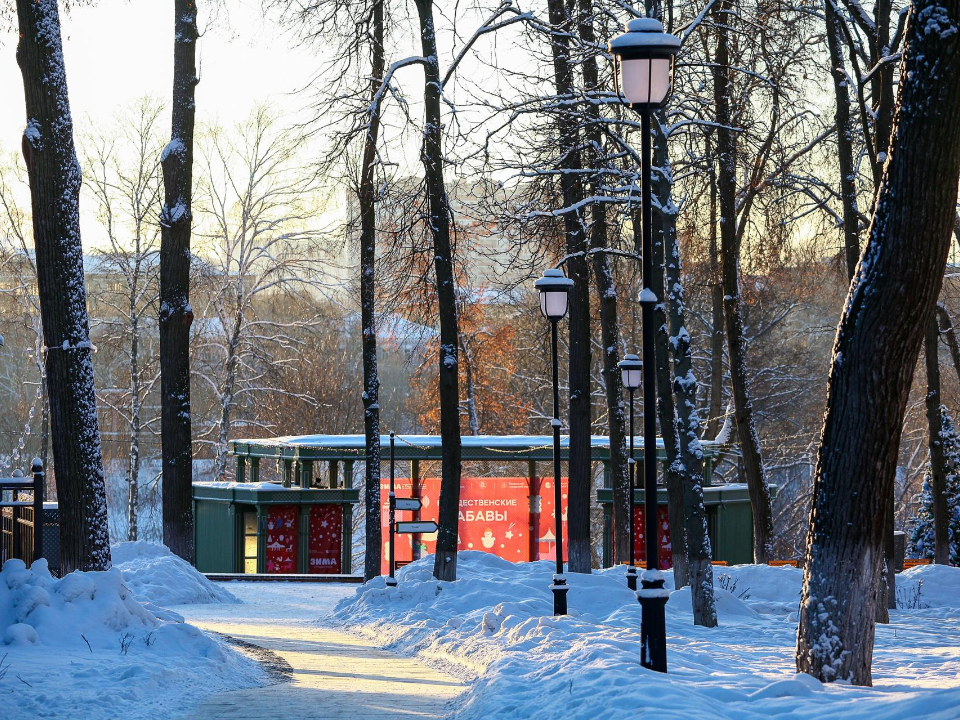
645, 54
630, 371
554, 290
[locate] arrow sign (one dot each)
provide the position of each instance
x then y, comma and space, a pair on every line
417, 527
407, 503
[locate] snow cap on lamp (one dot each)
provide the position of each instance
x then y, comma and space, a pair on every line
645, 54
554, 287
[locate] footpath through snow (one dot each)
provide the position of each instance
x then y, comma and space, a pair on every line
495, 625
332, 675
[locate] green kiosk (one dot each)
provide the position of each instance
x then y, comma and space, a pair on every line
302, 520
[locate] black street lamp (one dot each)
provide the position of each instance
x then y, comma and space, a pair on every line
554, 290
645, 54
630, 371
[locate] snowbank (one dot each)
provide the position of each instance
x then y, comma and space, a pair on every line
155, 575
83, 646
495, 624
940, 586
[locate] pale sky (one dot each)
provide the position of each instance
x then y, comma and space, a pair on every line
121, 50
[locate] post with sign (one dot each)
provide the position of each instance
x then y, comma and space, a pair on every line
391, 579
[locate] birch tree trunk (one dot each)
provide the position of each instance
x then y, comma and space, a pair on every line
176, 315
54, 175
938, 463
133, 474
732, 301
878, 340
579, 471
368, 283
445, 562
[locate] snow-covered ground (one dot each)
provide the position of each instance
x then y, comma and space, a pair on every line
97, 645
495, 624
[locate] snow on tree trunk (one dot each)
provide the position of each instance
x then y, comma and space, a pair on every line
55, 180
176, 315
732, 300
878, 341
368, 246
938, 461
694, 514
664, 222
445, 562
607, 300
579, 471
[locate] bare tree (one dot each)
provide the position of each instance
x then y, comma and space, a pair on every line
55, 180
259, 243
176, 314
124, 180
892, 297
938, 463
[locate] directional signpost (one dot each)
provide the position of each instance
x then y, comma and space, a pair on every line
405, 504
417, 527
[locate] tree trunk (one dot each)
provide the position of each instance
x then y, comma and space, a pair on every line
694, 514
666, 411
715, 420
946, 327
133, 477
607, 300
176, 315
579, 472
938, 463
445, 563
842, 116
368, 294
54, 174
732, 301
878, 340
473, 420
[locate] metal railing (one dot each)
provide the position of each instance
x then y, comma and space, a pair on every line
22, 515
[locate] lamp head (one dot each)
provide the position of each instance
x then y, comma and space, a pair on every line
645, 54
630, 371
554, 287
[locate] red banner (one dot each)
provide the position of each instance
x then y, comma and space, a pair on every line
640, 536
282, 539
504, 516
326, 540
546, 519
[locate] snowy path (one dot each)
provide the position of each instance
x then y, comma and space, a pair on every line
334, 675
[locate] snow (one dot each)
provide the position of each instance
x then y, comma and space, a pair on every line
495, 625
84, 647
358, 442
155, 575
229, 485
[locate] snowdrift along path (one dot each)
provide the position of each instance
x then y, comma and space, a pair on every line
494, 626
334, 675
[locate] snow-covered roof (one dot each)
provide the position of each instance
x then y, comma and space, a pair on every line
518, 442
